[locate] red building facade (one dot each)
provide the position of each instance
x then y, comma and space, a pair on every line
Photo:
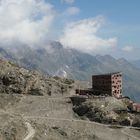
136, 107
109, 84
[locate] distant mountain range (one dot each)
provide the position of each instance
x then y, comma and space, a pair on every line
136, 63
57, 60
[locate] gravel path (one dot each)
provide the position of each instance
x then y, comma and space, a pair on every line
31, 132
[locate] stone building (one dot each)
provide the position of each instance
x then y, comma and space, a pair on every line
108, 84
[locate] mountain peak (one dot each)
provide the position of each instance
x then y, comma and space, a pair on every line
56, 45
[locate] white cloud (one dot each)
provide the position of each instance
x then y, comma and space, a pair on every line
81, 35
128, 48
68, 1
72, 11
27, 21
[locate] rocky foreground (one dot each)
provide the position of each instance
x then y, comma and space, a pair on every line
38, 107
106, 110
16, 80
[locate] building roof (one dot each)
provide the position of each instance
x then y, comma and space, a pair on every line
108, 74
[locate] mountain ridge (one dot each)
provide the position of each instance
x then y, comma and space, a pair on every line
56, 60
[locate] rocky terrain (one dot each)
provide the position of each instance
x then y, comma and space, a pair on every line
38, 107
14, 79
108, 110
12, 126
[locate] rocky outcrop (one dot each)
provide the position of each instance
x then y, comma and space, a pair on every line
108, 110
136, 121
14, 79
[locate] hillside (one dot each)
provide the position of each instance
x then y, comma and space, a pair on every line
54, 59
108, 110
33, 113
14, 79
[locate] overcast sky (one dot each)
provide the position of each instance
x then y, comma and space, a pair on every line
92, 26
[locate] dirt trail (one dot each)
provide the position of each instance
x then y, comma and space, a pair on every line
73, 120
85, 121
31, 132
126, 133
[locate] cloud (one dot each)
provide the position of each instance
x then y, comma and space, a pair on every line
82, 35
128, 48
68, 1
27, 21
72, 11
30, 22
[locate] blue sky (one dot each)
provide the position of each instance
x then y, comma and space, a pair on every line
118, 11
91, 26
121, 20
